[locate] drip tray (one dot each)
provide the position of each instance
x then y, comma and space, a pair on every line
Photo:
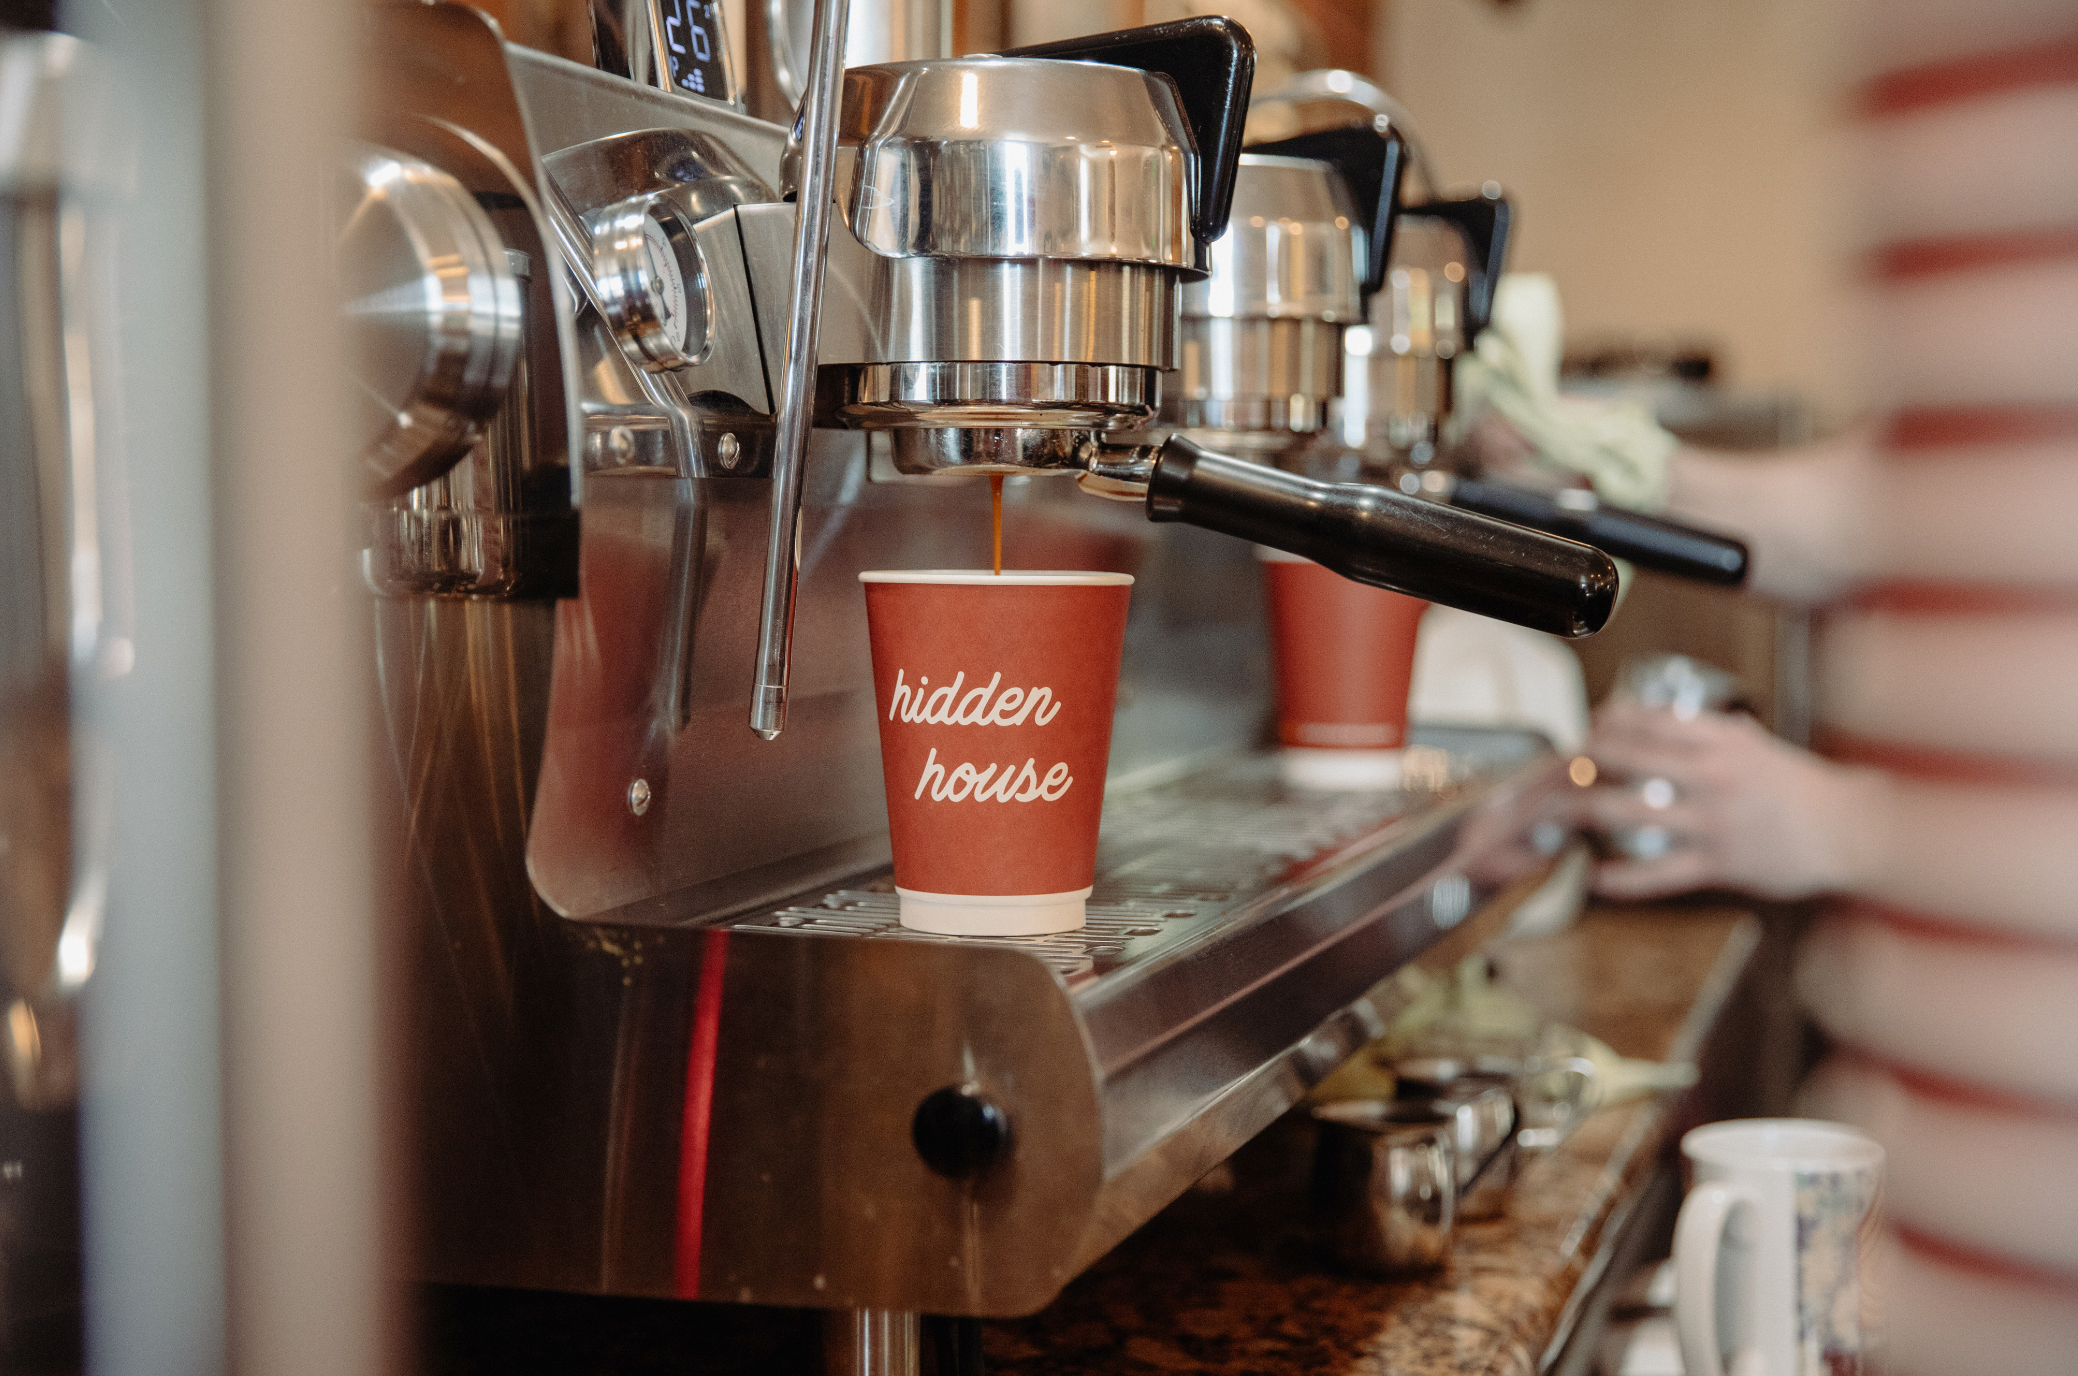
1241, 942
1179, 860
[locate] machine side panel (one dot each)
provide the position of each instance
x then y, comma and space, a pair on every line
652, 671
570, 104
816, 1194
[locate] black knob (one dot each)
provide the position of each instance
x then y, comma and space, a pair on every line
958, 1131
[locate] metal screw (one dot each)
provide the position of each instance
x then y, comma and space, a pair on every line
728, 449
638, 797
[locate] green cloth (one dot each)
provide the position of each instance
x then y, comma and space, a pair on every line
1617, 446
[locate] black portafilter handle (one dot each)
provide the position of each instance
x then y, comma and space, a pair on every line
1378, 536
1650, 542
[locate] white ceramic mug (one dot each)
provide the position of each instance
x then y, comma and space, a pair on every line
1769, 1251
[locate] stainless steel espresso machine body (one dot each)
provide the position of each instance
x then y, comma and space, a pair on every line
1433, 263
60, 589
1010, 284
65, 636
669, 1038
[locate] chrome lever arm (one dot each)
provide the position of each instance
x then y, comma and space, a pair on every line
576, 243
797, 390
1333, 84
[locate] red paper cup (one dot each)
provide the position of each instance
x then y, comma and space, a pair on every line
1344, 658
995, 696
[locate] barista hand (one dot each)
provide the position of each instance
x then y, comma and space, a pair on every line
1748, 811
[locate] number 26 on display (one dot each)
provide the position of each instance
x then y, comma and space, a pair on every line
689, 43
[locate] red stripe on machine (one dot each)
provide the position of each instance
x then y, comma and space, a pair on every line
1968, 78
699, 1112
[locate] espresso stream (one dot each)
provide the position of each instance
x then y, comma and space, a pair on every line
995, 507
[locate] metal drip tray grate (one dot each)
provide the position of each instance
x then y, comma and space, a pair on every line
1173, 860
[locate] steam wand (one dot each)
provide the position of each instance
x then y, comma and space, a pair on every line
797, 389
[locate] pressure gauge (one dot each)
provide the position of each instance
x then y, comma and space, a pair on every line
652, 286
667, 285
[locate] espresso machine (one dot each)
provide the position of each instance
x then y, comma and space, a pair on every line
649, 381
1329, 283
62, 631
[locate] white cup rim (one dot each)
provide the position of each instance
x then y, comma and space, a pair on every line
993, 914
1784, 1144
1029, 578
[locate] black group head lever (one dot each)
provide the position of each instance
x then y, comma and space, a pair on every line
1482, 221
1212, 62
1373, 164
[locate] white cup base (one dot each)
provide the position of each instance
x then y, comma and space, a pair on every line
1342, 770
963, 914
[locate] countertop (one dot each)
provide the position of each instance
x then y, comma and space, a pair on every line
1228, 1279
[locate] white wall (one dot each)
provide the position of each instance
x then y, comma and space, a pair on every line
1670, 160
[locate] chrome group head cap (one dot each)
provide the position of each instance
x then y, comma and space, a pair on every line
1292, 250
1446, 264
1005, 157
1261, 342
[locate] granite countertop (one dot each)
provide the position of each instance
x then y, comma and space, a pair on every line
1229, 1280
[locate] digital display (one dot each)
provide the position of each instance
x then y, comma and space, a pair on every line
694, 56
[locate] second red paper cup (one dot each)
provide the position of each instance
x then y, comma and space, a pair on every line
995, 695
1344, 659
